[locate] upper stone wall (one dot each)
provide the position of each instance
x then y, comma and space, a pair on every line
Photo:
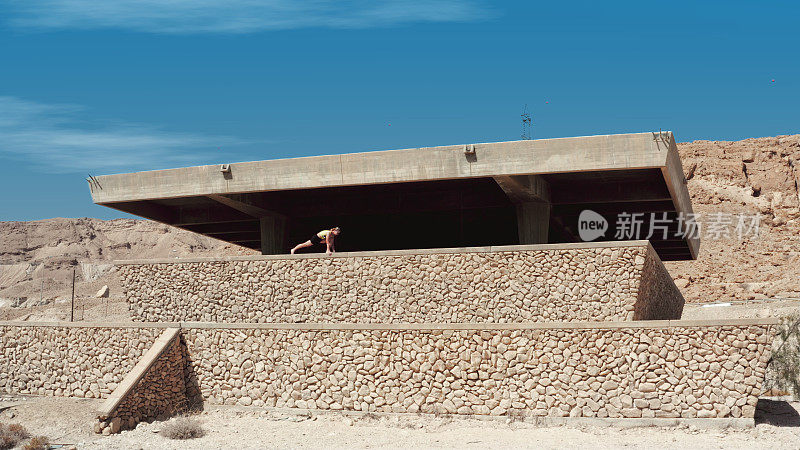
558, 282
658, 296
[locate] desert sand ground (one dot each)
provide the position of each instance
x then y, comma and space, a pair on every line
69, 422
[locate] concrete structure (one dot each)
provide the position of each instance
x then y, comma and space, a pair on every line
516, 318
504, 193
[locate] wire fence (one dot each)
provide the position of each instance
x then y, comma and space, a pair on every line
43, 279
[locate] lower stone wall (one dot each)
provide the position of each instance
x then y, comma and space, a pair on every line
618, 372
534, 283
69, 361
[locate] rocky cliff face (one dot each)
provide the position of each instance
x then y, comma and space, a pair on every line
753, 176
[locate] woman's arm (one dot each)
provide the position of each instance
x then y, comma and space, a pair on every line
329, 242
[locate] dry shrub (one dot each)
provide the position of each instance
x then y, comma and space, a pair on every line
182, 428
783, 369
11, 435
7, 442
37, 443
516, 415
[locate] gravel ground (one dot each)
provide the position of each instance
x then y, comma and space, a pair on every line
754, 309
68, 421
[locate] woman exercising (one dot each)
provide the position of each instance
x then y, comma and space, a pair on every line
326, 236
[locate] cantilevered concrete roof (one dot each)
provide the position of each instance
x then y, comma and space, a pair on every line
449, 196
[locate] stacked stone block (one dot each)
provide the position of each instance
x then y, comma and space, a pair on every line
679, 371
69, 361
544, 283
161, 392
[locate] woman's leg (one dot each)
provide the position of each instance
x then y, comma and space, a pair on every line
301, 245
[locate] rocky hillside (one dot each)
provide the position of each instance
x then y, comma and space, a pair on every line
37, 258
750, 176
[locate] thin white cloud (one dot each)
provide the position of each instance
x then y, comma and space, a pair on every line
236, 16
56, 139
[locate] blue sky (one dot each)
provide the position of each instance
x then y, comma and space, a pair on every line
124, 85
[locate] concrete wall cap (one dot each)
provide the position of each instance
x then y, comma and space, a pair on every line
429, 251
415, 326
486, 326
412, 326
23, 323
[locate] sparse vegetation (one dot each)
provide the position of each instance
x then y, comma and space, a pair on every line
37, 443
11, 435
784, 365
516, 415
182, 428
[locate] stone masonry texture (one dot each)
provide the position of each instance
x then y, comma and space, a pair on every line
567, 285
688, 372
675, 371
161, 392
69, 361
658, 296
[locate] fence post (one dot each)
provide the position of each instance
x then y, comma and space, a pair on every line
72, 303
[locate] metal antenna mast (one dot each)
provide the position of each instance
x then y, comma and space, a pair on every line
526, 123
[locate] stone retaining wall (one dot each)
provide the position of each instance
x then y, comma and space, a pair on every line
557, 282
658, 296
617, 372
154, 389
69, 361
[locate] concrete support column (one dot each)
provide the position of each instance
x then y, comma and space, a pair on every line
273, 234
531, 195
533, 222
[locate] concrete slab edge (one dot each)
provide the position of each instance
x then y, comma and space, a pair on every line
430, 251
599, 152
133, 377
22, 323
657, 324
